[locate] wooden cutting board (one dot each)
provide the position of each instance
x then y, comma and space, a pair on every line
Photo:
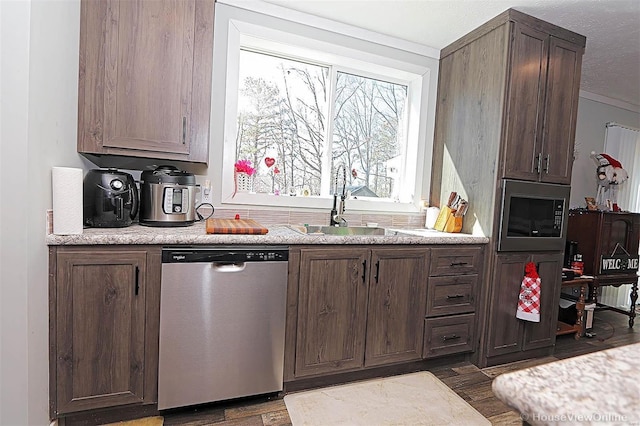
235, 226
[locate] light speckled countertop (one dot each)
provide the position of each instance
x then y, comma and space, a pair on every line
278, 234
600, 388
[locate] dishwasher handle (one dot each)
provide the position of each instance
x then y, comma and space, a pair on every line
228, 267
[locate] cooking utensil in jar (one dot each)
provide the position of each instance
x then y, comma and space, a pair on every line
452, 197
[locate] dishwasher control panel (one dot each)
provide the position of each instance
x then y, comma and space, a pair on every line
229, 254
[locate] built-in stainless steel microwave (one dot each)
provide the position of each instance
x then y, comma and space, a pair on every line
533, 216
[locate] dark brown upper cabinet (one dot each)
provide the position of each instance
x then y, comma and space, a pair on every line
543, 88
145, 78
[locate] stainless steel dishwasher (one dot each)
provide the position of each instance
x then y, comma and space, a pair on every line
222, 318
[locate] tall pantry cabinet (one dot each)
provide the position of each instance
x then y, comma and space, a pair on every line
506, 108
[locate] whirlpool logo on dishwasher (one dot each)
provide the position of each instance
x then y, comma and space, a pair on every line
179, 257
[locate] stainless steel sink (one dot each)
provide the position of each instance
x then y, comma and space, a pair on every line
343, 230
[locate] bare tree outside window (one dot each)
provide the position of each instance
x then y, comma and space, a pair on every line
367, 131
282, 115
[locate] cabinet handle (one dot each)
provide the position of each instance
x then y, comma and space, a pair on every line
377, 270
184, 130
547, 161
539, 163
452, 337
137, 287
364, 270
455, 296
458, 263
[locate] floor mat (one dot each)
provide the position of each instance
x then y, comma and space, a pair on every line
410, 399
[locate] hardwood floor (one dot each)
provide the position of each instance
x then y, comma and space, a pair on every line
471, 383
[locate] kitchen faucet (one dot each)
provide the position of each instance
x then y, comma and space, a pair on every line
337, 218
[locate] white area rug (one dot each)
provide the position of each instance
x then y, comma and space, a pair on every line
410, 399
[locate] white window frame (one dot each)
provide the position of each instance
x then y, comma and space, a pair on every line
235, 27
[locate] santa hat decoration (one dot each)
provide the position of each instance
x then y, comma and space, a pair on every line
606, 160
609, 170
612, 161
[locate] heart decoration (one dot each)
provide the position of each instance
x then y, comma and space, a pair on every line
269, 161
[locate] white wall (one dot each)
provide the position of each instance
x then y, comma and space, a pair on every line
14, 91
593, 115
40, 40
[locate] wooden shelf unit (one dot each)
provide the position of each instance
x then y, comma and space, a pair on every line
601, 234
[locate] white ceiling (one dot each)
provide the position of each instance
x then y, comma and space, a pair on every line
611, 63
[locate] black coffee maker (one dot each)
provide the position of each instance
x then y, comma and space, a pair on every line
110, 198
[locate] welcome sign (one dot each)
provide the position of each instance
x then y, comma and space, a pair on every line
619, 264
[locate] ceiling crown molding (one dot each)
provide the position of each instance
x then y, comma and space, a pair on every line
610, 101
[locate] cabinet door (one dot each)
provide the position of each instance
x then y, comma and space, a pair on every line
560, 112
529, 51
397, 302
619, 229
145, 78
505, 330
543, 334
100, 329
332, 301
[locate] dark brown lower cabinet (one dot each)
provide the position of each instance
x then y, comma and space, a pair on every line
452, 292
449, 335
332, 300
359, 307
397, 293
104, 313
506, 333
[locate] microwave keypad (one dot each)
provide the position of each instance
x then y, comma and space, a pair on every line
557, 214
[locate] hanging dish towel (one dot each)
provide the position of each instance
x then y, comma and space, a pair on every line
529, 299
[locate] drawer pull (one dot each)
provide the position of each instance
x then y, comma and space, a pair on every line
455, 296
458, 263
452, 337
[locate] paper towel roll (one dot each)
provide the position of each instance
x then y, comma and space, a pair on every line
432, 216
67, 200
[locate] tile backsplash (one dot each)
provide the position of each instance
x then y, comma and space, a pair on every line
294, 217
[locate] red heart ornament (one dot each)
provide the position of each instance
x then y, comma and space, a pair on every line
269, 161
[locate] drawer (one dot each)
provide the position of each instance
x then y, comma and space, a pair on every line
455, 261
449, 335
451, 295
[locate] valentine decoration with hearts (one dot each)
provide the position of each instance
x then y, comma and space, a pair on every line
269, 161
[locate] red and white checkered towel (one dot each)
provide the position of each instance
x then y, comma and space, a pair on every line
529, 298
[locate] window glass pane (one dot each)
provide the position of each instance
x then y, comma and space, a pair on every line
282, 120
368, 134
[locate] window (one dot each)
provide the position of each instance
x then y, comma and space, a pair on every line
299, 108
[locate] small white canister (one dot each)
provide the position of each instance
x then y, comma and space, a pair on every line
432, 216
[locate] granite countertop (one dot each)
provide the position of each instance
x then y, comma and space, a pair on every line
278, 234
598, 388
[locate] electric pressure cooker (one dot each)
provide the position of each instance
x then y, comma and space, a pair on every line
110, 198
167, 197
